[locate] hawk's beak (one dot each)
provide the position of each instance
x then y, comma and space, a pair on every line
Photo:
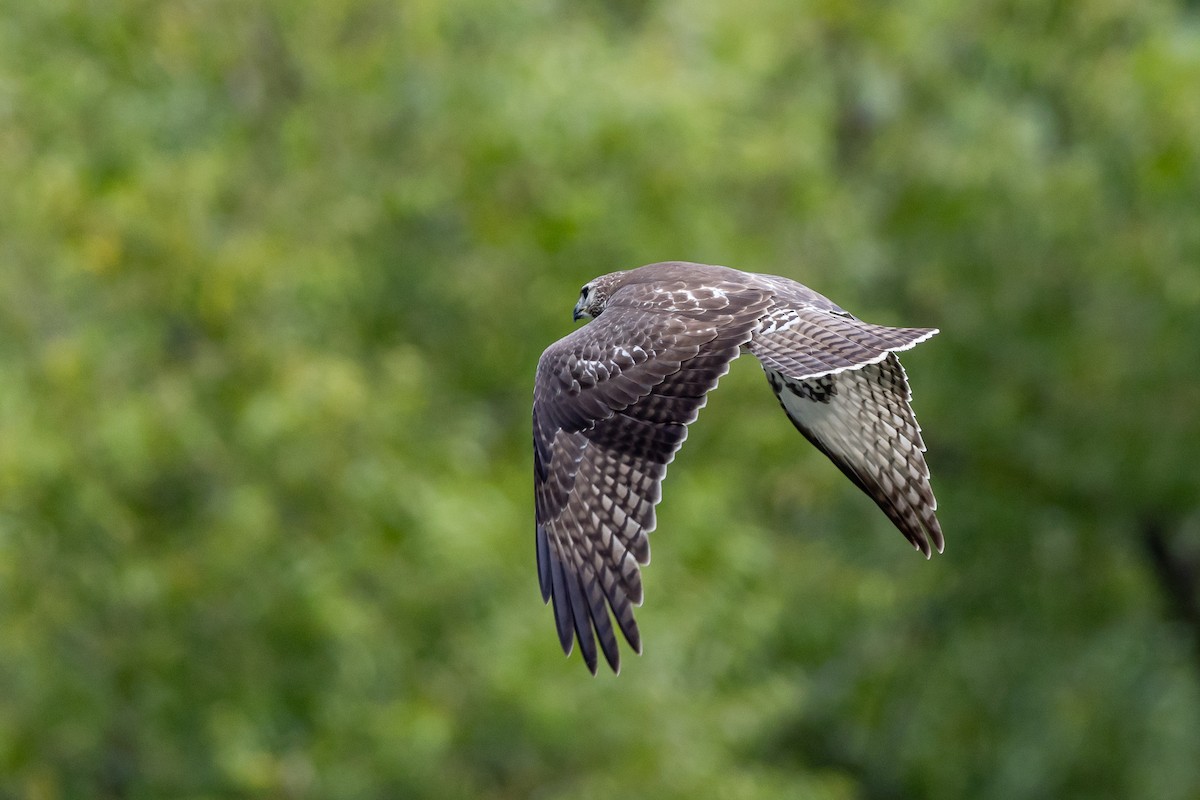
577, 314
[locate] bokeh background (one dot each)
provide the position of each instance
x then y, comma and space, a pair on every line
274, 278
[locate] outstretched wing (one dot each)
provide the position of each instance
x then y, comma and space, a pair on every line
840, 382
612, 402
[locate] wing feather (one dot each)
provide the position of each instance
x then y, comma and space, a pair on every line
612, 404
862, 420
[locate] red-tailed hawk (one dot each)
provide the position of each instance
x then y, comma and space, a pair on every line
612, 402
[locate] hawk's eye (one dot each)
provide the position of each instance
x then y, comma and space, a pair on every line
583, 293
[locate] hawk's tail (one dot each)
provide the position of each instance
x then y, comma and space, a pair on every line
808, 342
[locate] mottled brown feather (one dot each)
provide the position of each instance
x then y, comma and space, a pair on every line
613, 399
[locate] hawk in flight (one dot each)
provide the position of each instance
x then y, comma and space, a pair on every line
612, 402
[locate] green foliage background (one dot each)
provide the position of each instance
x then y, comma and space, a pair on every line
273, 281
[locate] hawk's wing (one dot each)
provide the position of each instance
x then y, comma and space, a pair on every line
841, 384
611, 404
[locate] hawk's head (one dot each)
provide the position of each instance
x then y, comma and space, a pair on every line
593, 297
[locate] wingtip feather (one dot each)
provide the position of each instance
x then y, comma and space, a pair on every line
543, 564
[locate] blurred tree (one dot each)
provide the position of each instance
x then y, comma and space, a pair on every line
265, 513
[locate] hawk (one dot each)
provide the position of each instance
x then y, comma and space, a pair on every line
613, 399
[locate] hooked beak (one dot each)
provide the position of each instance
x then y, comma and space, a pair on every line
577, 314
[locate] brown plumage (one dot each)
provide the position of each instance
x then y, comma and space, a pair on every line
613, 399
